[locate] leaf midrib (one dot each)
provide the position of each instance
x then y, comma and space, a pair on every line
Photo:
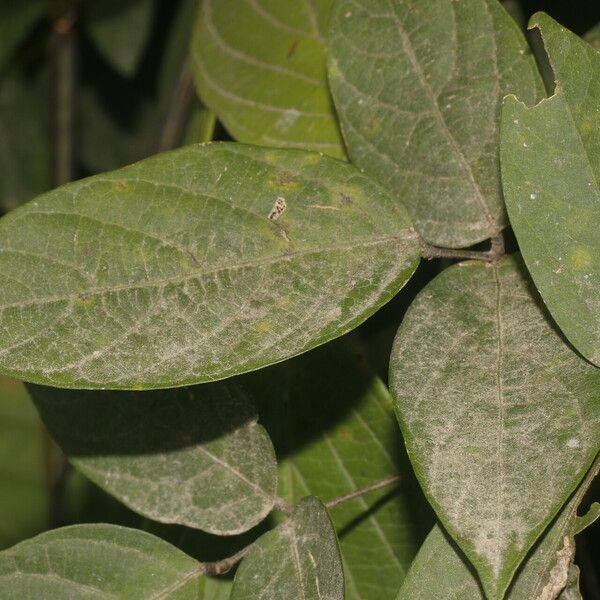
179, 279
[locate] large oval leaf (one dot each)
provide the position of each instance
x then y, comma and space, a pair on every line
551, 177
335, 432
98, 562
195, 265
260, 66
298, 559
501, 418
440, 570
417, 85
193, 456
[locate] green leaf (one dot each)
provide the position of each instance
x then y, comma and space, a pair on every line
298, 559
441, 571
571, 592
417, 85
16, 20
24, 503
130, 120
120, 30
187, 267
593, 36
551, 178
335, 432
193, 456
97, 562
24, 135
260, 66
501, 418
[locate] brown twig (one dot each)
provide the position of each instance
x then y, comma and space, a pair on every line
496, 251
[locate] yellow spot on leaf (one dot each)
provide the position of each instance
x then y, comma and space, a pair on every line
263, 326
580, 258
120, 186
345, 435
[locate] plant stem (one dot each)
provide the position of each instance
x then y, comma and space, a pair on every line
495, 252
362, 491
220, 567
63, 56
178, 112
285, 507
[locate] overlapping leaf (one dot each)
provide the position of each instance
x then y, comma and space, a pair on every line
24, 493
260, 66
195, 265
417, 85
120, 30
298, 559
551, 178
193, 456
441, 571
500, 416
24, 135
98, 562
334, 431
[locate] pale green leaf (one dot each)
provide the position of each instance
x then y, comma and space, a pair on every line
16, 20
120, 30
98, 562
418, 85
335, 432
501, 418
551, 178
441, 571
188, 267
260, 66
24, 498
298, 559
571, 592
194, 456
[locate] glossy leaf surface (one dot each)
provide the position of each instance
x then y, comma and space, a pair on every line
501, 418
551, 176
417, 86
195, 265
192, 456
260, 66
298, 559
97, 562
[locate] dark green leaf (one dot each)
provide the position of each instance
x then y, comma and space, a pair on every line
417, 85
24, 135
260, 66
501, 418
298, 559
193, 456
16, 19
23, 487
334, 431
127, 118
120, 30
188, 267
97, 562
551, 177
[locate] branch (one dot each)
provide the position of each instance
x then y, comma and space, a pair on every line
496, 251
362, 491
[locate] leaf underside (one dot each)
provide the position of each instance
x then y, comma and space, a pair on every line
195, 265
193, 456
97, 562
551, 176
298, 559
417, 85
501, 418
